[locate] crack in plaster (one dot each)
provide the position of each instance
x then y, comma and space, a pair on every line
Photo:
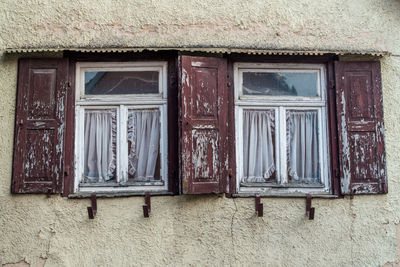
395, 263
353, 217
232, 238
23, 263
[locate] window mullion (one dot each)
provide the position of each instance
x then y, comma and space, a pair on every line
239, 141
80, 113
122, 156
321, 148
283, 148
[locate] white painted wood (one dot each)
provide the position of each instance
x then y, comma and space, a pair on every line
122, 103
123, 140
239, 68
278, 103
277, 147
282, 145
239, 145
118, 143
83, 67
281, 104
164, 145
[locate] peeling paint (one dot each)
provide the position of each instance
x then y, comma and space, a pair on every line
200, 230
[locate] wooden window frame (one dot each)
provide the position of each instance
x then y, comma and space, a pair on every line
174, 113
332, 139
122, 103
280, 104
373, 184
151, 58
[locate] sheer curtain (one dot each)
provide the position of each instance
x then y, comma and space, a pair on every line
99, 145
143, 142
258, 145
302, 136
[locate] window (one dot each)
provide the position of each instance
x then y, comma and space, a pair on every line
281, 129
164, 123
121, 126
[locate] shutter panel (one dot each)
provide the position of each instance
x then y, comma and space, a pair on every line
204, 124
360, 126
39, 128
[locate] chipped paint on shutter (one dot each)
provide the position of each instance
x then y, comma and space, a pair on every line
204, 130
40, 122
360, 126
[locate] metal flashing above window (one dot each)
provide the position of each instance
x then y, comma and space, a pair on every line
227, 50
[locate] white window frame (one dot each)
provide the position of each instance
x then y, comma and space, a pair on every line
122, 103
280, 104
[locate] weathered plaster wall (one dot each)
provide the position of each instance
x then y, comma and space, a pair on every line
200, 230
361, 24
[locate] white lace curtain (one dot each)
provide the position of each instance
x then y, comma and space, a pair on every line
100, 145
302, 142
258, 145
143, 141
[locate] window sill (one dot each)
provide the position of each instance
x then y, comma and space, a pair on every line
274, 185
94, 185
284, 195
118, 194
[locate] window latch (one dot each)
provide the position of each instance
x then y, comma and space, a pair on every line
259, 206
147, 205
92, 211
309, 210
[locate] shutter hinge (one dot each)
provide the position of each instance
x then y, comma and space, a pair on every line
229, 84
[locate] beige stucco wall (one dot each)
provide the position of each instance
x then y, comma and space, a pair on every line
200, 230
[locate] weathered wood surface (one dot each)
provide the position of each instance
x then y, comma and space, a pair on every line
40, 122
204, 125
360, 126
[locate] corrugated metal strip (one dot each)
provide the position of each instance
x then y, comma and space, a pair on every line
206, 50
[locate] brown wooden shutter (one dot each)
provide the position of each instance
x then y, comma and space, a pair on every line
39, 127
204, 110
360, 126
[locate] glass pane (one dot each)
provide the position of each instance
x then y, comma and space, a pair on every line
121, 82
280, 83
259, 146
100, 145
303, 153
144, 145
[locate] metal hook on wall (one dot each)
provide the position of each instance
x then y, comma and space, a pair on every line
259, 206
147, 206
92, 211
309, 210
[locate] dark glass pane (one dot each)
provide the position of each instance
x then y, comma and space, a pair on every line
280, 83
121, 82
